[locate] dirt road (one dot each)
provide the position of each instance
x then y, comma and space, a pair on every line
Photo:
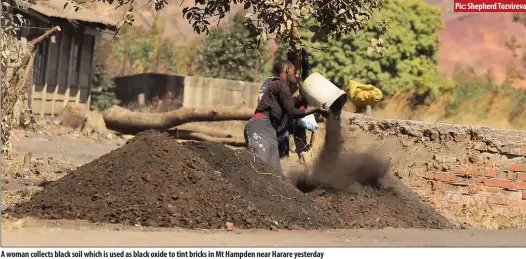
40, 233
76, 150
44, 233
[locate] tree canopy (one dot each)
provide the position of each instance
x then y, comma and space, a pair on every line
223, 55
410, 58
267, 19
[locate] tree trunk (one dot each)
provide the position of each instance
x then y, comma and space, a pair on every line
210, 131
294, 49
128, 122
190, 135
256, 75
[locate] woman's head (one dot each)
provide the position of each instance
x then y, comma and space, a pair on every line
286, 71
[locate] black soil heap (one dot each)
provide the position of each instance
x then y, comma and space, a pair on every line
155, 181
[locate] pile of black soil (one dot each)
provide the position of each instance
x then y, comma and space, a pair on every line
155, 181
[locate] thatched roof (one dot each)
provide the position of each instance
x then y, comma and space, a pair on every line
55, 9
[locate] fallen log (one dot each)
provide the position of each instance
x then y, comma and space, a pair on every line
128, 122
210, 131
190, 135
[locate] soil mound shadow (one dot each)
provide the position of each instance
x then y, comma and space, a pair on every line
155, 181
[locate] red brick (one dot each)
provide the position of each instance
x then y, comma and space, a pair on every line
490, 173
498, 183
517, 204
489, 189
521, 177
518, 185
465, 171
461, 181
518, 167
524, 195
497, 200
445, 178
449, 178
493, 189
512, 176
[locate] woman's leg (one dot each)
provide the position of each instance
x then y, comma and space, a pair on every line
261, 139
283, 145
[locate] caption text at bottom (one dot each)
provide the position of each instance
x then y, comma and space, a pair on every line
167, 254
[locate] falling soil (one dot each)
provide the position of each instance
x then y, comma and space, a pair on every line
155, 181
338, 169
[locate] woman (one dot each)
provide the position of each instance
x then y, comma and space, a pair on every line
274, 109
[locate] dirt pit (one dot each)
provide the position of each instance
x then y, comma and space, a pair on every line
155, 181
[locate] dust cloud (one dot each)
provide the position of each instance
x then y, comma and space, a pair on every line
336, 168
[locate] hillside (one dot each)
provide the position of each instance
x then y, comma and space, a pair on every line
475, 39
478, 40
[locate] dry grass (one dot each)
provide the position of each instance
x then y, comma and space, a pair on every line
490, 111
22, 176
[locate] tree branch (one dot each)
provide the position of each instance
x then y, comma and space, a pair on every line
35, 42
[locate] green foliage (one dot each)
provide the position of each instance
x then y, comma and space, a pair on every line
264, 18
470, 87
140, 50
409, 61
103, 89
518, 106
332, 19
223, 55
169, 56
517, 96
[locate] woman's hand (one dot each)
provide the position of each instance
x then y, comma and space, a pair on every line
321, 110
324, 111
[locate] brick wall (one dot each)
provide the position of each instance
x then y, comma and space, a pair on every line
449, 165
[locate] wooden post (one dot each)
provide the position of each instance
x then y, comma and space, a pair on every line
44, 91
59, 70
54, 100
141, 99
92, 51
23, 40
70, 64
43, 101
80, 58
77, 97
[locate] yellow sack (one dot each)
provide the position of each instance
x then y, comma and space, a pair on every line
361, 94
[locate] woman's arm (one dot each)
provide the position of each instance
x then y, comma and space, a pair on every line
287, 103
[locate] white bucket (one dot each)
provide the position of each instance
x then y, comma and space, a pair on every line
317, 90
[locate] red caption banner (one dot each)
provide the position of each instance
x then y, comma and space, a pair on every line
489, 6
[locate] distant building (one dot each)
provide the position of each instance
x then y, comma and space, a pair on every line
63, 62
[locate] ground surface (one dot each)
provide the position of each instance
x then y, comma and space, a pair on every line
42, 233
76, 150
78, 234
